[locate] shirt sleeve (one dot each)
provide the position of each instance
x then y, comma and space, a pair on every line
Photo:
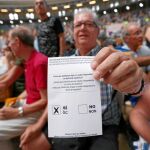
58, 26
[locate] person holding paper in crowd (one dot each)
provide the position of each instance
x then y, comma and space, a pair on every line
120, 74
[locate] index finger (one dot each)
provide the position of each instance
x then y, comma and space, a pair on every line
22, 139
101, 56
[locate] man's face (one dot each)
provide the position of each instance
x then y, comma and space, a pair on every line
85, 30
13, 43
135, 37
40, 7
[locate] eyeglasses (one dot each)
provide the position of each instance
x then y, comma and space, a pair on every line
87, 24
137, 33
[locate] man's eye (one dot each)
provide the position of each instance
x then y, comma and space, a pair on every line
77, 25
89, 24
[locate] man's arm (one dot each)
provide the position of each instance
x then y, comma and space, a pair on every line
11, 76
34, 129
38, 105
23, 95
140, 116
143, 60
10, 112
62, 44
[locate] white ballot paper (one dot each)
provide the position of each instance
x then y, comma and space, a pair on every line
74, 102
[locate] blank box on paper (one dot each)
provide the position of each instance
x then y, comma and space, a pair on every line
83, 109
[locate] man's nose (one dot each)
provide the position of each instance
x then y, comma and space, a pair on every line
82, 26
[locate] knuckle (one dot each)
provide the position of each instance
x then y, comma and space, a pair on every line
118, 56
130, 64
101, 69
106, 50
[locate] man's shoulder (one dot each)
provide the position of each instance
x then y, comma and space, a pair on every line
144, 47
144, 50
40, 58
52, 19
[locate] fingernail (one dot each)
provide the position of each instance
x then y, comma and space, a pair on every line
94, 65
96, 75
125, 57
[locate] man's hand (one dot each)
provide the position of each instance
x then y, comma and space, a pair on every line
117, 69
31, 132
8, 113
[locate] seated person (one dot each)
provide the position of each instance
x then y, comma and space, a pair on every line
7, 64
14, 120
140, 116
133, 38
15, 68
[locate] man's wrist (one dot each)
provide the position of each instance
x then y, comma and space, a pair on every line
141, 89
20, 111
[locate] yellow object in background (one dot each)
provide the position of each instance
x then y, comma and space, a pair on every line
129, 53
10, 101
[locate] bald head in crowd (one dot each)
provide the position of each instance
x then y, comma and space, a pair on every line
133, 37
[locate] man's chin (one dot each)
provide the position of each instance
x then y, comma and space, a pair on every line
83, 41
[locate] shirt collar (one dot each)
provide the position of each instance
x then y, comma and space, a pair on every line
31, 56
93, 51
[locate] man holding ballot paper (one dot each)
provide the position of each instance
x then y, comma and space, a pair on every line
92, 122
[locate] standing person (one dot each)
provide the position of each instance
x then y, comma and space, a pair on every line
50, 31
51, 43
14, 120
115, 68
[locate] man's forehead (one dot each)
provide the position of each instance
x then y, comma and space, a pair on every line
133, 27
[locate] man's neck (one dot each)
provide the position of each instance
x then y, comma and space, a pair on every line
28, 53
85, 50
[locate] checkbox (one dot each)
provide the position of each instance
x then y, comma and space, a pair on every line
83, 109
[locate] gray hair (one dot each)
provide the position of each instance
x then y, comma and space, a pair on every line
24, 33
88, 11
